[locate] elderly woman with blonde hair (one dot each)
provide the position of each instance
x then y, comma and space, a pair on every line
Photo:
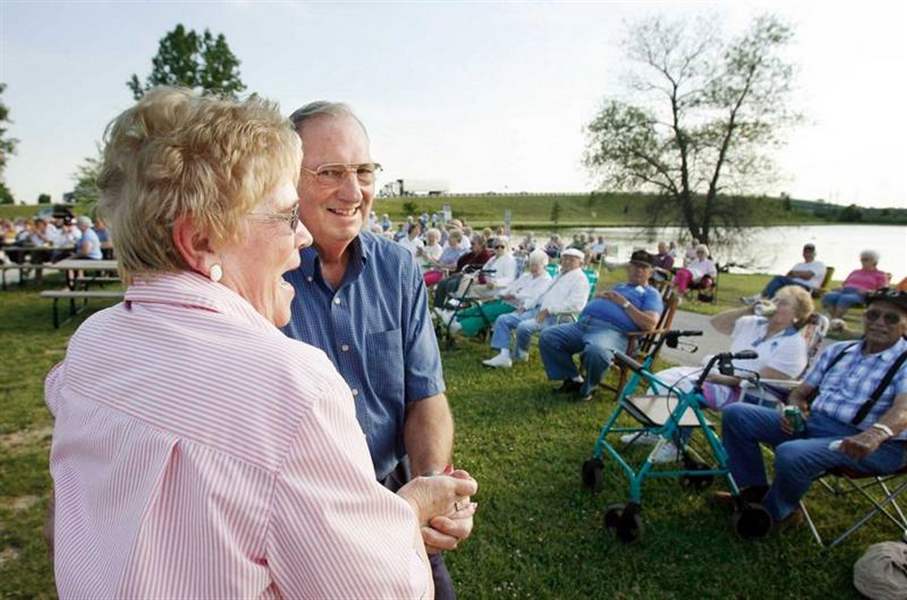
773, 329
198, 451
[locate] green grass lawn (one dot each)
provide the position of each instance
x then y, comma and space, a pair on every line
538, 533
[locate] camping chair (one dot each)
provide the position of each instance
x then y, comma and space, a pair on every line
826, 282
459, 302
645, 345
881, 491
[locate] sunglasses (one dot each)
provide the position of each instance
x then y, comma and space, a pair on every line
873, 314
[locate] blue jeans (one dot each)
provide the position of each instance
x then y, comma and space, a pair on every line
798, 459
596, 339
843, 298
525, 325
778, 282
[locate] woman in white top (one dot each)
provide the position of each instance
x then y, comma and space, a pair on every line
504, 267
777, 339
413, 240
699, 273
431, 251
519, 296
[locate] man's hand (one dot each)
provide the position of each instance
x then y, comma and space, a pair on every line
863, 444
445, 532
804, 412
612, 296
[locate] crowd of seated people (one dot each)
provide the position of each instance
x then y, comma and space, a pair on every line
518, 296
67, 237
566, 295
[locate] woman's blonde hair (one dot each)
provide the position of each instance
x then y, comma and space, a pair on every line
802, 301
177, 154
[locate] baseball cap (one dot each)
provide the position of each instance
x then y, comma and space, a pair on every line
575, 252
642, 257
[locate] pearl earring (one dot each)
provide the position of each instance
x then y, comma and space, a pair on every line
215, 273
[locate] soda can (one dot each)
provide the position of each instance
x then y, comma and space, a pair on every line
764, 308
794, 418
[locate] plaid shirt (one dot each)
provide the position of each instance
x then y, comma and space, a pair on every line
853, 379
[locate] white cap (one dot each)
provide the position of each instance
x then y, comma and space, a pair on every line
573, 252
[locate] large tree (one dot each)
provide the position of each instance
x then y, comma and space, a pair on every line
697, 123
7, 148
198, 61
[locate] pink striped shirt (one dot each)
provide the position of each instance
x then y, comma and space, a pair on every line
200, 453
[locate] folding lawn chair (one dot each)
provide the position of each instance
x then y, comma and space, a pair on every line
881, 491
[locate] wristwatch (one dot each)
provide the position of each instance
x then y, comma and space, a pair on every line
625, 305
884, 429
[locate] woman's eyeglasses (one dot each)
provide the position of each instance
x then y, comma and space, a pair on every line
332, 175
499, 247
873, 314
290, 217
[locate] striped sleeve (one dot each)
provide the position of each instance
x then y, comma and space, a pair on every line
333, 530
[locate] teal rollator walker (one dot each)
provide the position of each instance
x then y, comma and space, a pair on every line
671, 414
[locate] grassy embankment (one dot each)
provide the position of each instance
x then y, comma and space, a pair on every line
538, 533
534, 211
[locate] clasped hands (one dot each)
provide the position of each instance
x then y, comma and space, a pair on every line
443, 506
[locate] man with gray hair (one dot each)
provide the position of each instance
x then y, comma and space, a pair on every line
361, 299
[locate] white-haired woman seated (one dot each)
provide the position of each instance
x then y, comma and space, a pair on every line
776, 338
497, 273
868, 278
519, 296
197, 450
698, 273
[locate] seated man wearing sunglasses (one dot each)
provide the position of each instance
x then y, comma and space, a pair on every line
855, 396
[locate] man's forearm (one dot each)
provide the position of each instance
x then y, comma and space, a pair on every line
895, 418
428, 434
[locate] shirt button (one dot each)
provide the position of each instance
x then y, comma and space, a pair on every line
336, 300
309, 279
344, 348
355, 392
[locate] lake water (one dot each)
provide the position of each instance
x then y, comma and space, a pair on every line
776, 249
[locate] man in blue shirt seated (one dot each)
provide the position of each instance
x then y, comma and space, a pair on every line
601, 329
860, 391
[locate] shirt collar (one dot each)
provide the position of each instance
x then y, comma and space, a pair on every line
361, 247
192, 290
889, 353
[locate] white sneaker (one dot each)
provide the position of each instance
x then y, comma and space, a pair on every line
444, 315
500, 361
666, 454
455, 326
645, 439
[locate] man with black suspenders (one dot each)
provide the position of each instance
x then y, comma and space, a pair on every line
855, 405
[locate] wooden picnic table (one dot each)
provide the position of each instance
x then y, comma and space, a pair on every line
104, 271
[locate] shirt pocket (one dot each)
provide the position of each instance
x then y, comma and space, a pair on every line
386, 365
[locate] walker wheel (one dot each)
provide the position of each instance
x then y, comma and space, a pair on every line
612, 515
625, 520
592, 474
752, 521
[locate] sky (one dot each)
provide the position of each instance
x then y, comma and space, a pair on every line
484, 96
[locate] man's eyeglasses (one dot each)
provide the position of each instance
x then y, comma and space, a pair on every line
499, 247
332, 175
290, 217
873, 314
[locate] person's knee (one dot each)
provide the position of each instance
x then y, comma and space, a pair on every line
735, 417
788, 457
599, 355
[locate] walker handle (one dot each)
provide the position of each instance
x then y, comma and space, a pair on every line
628, 362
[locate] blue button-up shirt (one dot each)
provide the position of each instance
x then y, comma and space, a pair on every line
376, 330
852, 380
